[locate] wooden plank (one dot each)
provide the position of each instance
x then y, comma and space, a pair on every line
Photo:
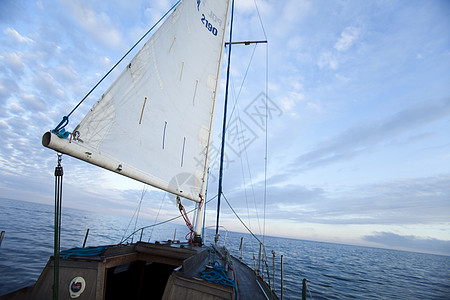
181, 287
196, 263
160, 259
119, 250
68, 270
166, 251
247, 283
115, 261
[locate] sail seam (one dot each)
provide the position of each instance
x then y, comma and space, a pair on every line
182, 152
164, 135
173, 42
195, 92
142, 112
182, 67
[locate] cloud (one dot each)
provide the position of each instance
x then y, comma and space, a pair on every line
359, 139
400, 202
14, 62
33, 103
47, 85
7, 88
98, 25
347, 39
411, 242
328, 59
17, 37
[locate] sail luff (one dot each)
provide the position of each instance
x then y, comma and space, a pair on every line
200, 214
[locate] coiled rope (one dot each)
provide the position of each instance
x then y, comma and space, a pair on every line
217, 275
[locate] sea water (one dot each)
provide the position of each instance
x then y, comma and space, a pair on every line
333, 271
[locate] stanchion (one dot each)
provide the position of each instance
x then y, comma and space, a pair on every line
85, 238
282, 285
241, 247
1, 237
304, 289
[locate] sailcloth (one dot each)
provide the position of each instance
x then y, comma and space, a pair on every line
154, 123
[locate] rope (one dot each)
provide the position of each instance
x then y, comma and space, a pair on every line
138, 209
260, 20
266, 140
157, 216
88, 251
239, 218
65, 120
217, 275
248, 229
136, 212
190, 235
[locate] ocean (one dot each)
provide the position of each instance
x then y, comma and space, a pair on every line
333, 271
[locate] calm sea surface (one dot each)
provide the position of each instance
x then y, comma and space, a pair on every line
333, 271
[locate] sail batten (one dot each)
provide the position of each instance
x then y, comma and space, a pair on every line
156, 119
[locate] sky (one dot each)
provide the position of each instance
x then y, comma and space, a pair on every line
358, 135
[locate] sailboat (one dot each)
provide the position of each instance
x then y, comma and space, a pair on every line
154, 124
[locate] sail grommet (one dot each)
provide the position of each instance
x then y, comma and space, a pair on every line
119, 168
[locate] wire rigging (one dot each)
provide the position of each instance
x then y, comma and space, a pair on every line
260, 20
248, 229
157, 216
161, 223
266, 140
136, 212
144, 190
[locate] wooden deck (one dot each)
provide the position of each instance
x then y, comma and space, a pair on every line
147, 271
250, 286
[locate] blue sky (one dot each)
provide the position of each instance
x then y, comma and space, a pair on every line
358, 139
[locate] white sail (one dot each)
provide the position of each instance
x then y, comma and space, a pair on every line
154, 123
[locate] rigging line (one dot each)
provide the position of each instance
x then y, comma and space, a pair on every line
240, 220
246, 153
242, 84
243, 176
157, 215
245, 190
237, 97
131, 220
65, 119
236, 106
163, 222
144, 190
267, 141
244, 150
248, 229
260, 20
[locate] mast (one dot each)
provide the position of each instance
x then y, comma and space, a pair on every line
219, 193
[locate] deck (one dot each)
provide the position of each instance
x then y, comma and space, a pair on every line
147, 271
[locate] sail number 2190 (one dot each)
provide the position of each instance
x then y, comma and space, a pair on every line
208, 25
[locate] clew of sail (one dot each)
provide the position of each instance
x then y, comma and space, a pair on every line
154, 123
